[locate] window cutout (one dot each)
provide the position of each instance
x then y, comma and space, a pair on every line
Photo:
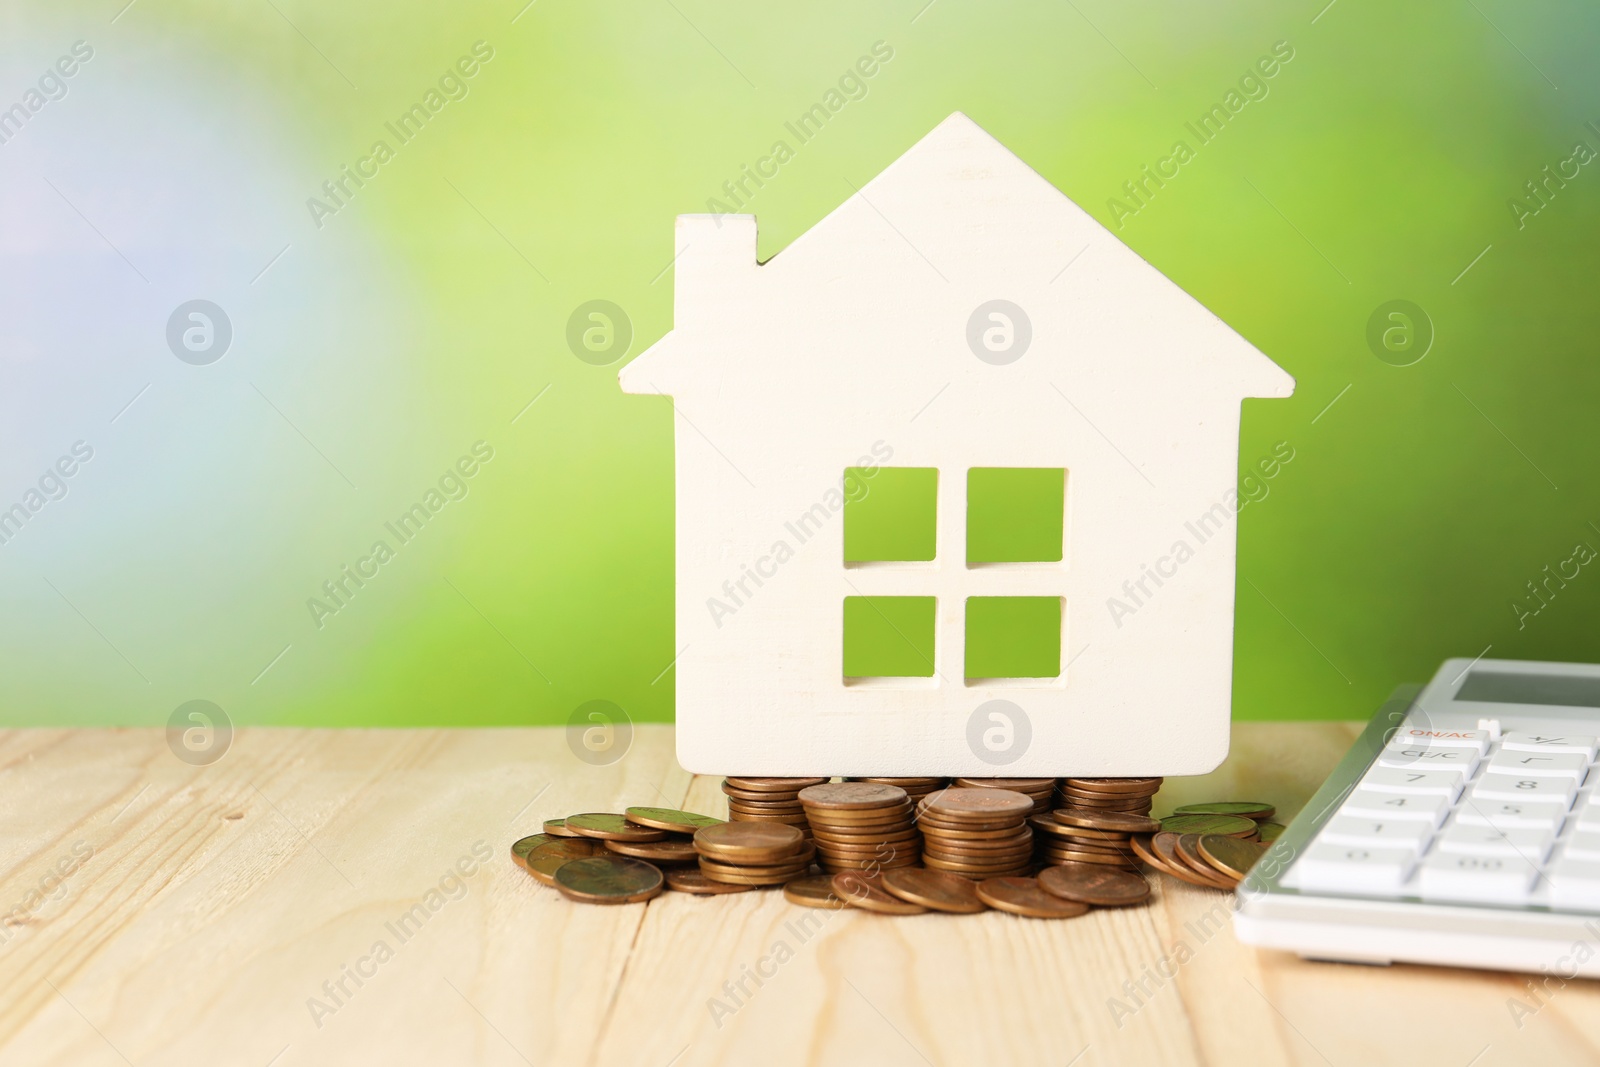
888, 636
889, 513
1013, 637
1015, 514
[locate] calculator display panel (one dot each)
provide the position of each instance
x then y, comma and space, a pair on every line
1505, 687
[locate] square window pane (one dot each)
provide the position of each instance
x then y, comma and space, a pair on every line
889, 513
888, 636
1013, 637
1015, 514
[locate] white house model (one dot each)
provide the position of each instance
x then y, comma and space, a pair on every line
957, 337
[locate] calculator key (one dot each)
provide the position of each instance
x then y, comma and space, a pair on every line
1364, 803
1530, 790
1539, 764
1448, 876
1407, 736
1588, 814
1535, 742
1574, 884
1510, 813
1430, 758
1354, 869
1413, 780
1468, 840
1376, 833
1582, 845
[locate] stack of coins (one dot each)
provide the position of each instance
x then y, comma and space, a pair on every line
1090, 835
1040, 790
1133, 795
753, 853
978, 832
772, 800
861, 826
1216, 861
916, 788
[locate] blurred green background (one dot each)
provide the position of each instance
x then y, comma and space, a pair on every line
1441, 460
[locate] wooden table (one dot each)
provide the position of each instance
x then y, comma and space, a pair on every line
345, 897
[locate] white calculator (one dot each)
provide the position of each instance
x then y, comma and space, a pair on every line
1462, 828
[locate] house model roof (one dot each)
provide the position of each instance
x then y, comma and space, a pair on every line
957, 205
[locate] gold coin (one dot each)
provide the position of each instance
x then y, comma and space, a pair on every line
842, 837
691, 880
946, 863
1022, 896
680, 822
813, 891
521, 847
1141, 848
1114, 785
955, 804
544, 861
1230, 855
746, 796
1269, 832
984, 848
846, 796
679, 851
865, 891
1017, 785
742, 878
713, 869
1118, 862
1012, 827
749, 842
772, 785
611, 827
1249, 809
1188, 854
1231, 825
609, 880
1096, 884
904, 783
937, 890
558, 828
1112, 821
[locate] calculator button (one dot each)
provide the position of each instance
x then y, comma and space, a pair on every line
1588, 817
1529, 790
1366, 804
1430, 758
1582, 845
1413, 780
1354, 869
1376, 833
1538, 764
1407, 736
1468, 840
1510, 813
1532, 742
1575, 884
1475, 879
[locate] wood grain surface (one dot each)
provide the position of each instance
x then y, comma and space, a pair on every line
347, 897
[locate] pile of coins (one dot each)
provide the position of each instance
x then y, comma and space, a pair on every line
916, 788
753, 853
861, 826
773, 800
982, 832
1133, 795
974, 851
605, 858
1090, 835
1040, 790
1212, 845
